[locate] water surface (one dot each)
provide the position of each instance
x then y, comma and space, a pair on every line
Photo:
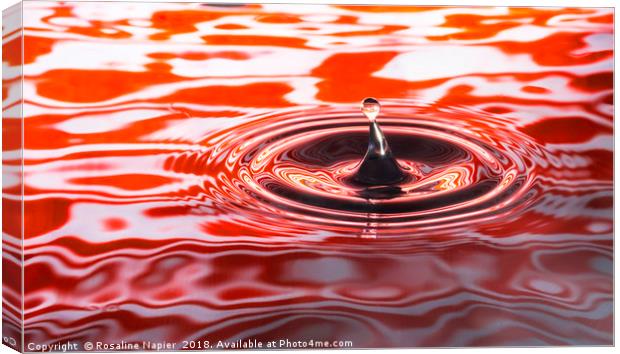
184, 169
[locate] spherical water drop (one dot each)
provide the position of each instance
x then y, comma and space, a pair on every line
371, 108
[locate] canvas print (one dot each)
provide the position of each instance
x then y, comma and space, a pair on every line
194, 176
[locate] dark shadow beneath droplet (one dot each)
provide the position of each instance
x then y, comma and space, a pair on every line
379, 171
378, 166
383, 192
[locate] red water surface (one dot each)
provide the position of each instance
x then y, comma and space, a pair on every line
184, 169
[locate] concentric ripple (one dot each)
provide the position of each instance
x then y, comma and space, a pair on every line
298, 164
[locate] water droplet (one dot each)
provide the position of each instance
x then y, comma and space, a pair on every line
379, 167
371, 108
